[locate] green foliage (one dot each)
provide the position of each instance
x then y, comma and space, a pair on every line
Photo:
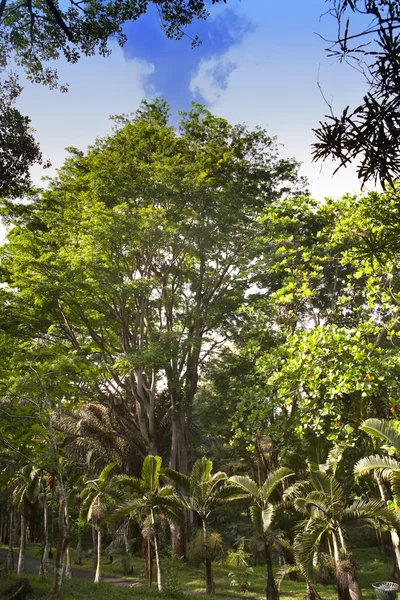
242, 579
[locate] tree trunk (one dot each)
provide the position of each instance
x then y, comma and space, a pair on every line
22, 546
341, 575
94, 541
271, 590
44, 565
207, 561
157, 555
97, 577
2, 528
78, 551
60, 549
312, 593
149, 562
68, 568
393, 533
10, 553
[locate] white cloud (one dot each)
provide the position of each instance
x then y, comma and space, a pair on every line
270, 79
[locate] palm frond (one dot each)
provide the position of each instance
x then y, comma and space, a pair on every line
285, 571
180, 479
306, 544
151, 472
247, 484
106, 471
296, 490
256, 519
384, 465
396, 484
371, 509
273, 480
201, 472
267, 516
229, 492
383, 430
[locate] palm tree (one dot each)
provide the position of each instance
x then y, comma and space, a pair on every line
262, 513
322, 502
204, 490
144, 499
385, 468
99, 498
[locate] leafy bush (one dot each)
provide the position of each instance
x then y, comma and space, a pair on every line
238, 557
241, 579
172, 576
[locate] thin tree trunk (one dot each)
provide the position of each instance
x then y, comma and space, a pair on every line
97, 577
2, 528
10, 553
78, 551
207, 561
149, 562
312, 593
341, 576
60, 549
94, 542
44, 565
396, 547
22, 546
68, 568
157, 555
271, 590
393, 533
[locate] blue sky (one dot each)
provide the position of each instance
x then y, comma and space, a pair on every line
259, 63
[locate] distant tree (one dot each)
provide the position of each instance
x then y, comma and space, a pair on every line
18, 149
369, 132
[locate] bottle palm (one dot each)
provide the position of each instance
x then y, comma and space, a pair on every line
203, 491
99, 499
385, 467
262, 512
323, 503
144, 498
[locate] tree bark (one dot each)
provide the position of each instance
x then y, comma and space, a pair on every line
396, 547
10, 553
60, 549
22, 546
149, 562
157, 555
94, 541
78, 551
68, 568
312, 593
207, 561
44, 565
272, 592
97, 577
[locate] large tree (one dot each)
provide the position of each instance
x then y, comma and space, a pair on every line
138, 255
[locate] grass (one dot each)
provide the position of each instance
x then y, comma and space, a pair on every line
373, 566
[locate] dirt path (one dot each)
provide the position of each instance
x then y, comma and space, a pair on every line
32, 566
